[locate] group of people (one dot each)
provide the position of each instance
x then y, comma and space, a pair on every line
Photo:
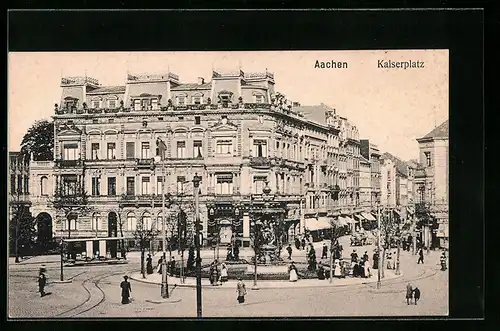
171, 265
218, 273
360, 266
412, 293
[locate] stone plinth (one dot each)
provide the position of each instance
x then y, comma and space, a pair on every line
267, 269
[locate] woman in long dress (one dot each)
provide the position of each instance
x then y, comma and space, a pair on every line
292, 270
367, 269
336, 269
241, 290
223, 273
126, 289
149, 265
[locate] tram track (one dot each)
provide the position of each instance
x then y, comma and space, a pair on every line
94, 291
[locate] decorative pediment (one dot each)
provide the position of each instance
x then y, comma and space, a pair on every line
69, 130
224, 125
94, 132
225, 92
111, 131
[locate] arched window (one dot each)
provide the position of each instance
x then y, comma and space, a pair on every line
131, 222
43, 186
96, 221
146, 221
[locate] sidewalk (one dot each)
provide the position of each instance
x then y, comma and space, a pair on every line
264, 284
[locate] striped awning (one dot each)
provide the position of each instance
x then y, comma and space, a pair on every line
340, 221
313, 224
368, 216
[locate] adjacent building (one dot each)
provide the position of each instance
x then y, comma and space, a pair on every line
431, 180
19, 174
372, 153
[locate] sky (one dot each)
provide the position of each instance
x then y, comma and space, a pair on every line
391, 107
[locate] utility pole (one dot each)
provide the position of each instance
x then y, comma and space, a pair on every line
196, 186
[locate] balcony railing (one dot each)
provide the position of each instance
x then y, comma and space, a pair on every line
145, 163
68, 163
261, 162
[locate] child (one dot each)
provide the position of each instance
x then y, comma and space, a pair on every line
416, 294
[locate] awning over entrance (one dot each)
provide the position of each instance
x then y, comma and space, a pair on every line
368, 216
340, 221
313, 224
349, 219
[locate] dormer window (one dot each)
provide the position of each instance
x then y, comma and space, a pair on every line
112, 104
259, 98
197, 100
181, 101
137, 104
96, 104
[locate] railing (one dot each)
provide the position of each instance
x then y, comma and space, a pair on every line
144, 162
68, 163
257, 161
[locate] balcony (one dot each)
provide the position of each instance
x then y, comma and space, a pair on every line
260, 162
68, 163
145, 164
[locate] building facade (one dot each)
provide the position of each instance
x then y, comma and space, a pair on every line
365, 185
388, 187
372, 153
236, 132
432, 184
19, 174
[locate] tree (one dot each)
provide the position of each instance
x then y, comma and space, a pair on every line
39, 141
22, 231
388, 228
144, 236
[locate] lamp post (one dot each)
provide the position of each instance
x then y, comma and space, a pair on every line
196, 186
164, 280
398, 272
256, 243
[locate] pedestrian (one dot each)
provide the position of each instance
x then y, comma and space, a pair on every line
289, 250
297, 243
172, 266
126, 289
409, 293
303, 243
416, 294
389, 260
337, 269
160, 265
42, 281
375, 260
367, 269
354, 257
149, 265
241, 290
420, 256
324, 253
321, 272
292, 271
443, 261
223, 273
365, 256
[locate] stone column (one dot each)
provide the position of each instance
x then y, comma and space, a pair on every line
246, 225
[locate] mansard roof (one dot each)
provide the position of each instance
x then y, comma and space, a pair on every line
401, 166
108, 90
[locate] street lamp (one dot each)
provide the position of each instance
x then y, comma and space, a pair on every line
256, 242
398, 272
196, 187
379, 267
161, 157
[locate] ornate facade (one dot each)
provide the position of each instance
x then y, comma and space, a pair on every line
235, 131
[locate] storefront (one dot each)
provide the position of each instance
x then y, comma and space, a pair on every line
442, 234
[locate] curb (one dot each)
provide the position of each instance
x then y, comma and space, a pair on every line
61, 281
321, 285
164, 301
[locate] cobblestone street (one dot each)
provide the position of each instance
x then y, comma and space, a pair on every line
94, 292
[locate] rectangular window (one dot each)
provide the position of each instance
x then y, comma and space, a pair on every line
428, 159
259, 148
259, 99
111, 151
154, 104
96, 104
112, 104
70, 185
197, 120
12, 184
224, 147
259, 182
145, 150
159, 184
130, 150
145, 186
95, 151
95, 121
181, 149
180, 101
19, 184
130, 185
224, 184
137, 104
180, 184
197, 148
145, 104
26, 185
70, 151
111, 185
95, 186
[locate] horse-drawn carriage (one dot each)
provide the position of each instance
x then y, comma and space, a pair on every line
359, 239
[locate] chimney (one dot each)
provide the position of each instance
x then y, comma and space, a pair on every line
201, 80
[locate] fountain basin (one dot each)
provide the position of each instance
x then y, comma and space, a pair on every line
267, 269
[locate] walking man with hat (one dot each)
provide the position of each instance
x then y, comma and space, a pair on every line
42, 281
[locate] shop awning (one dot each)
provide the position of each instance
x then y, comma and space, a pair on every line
396, 212
368, 216
359, 217
340, 221
349, 219
313, 224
